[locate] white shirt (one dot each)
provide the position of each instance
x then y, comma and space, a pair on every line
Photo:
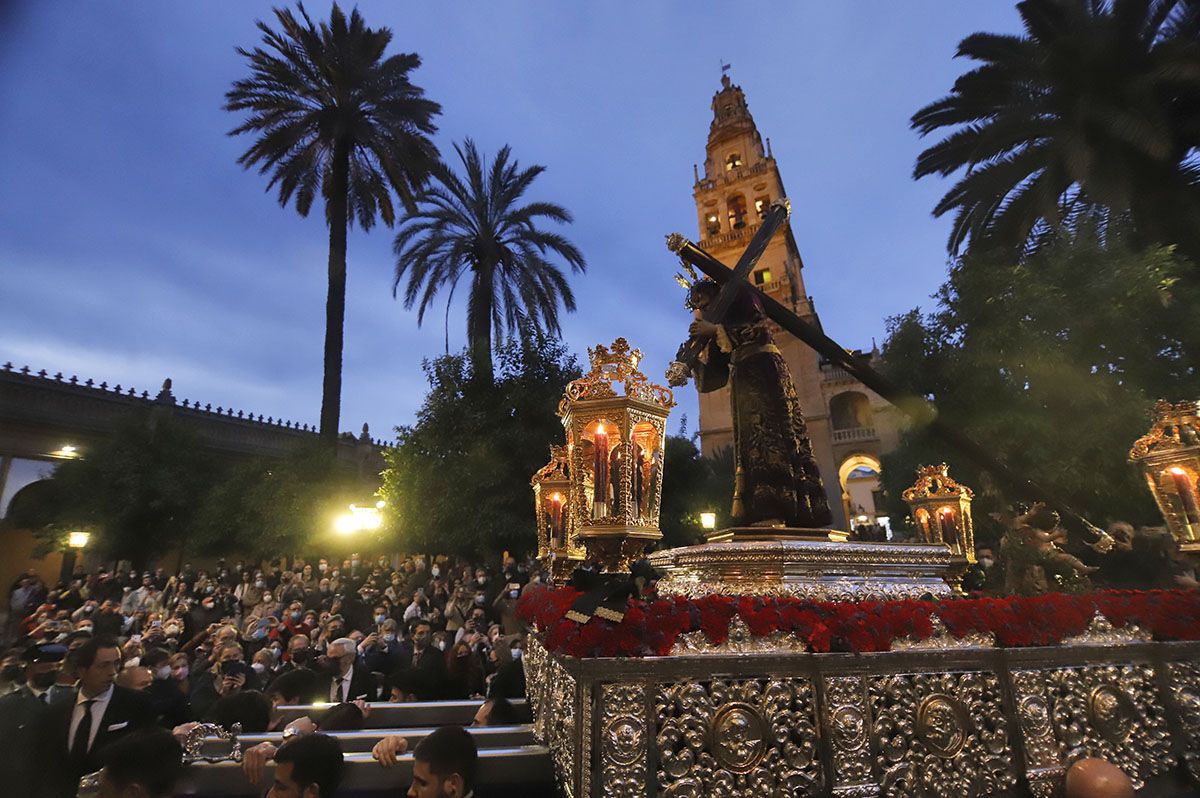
99, 706
338, 693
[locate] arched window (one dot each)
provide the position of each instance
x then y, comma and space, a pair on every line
712, 222
737, 211
733, 161
850, 410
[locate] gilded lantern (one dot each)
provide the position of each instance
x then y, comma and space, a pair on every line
1170, 457
941, 509
558, 553
615, 441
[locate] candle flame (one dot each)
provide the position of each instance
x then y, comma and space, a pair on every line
599, 429
1179, 471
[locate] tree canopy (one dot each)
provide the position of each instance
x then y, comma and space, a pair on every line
334, 115
475, 226
458, 480
1093, 113
266, 507
136, 493
1052, 363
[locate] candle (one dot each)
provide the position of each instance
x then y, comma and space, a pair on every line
949, 527
1187, 493
600, 473
555, 520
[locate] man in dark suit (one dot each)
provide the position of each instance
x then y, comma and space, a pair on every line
98, 714
417, 654
23, 716
348, 679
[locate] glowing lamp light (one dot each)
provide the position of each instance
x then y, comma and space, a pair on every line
78, 540
708, 520
359, 518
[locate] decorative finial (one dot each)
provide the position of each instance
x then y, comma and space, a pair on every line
676, 242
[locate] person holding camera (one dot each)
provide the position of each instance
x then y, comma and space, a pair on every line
228, 674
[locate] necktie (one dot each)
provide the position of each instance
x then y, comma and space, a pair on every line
337, 690
79, 746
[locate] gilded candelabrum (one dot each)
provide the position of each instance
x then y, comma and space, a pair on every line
615, 453
558, 551
941, 509
1170, 458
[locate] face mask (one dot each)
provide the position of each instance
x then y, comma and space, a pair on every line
354, 563
267, 599
163, 673
260, 584
380, 618
440, 645
324, 588
516, 654
180, 673
85, 628
986, 563
170, 631
133, 662
436, 572
295, 616
389, 637
258, 668
481, 580
44, 681
209, 589
322, 567
479, 598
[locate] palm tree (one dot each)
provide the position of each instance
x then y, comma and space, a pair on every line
1095, 112
333, 114
474, 226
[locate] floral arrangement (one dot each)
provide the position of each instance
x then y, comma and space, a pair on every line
651, 627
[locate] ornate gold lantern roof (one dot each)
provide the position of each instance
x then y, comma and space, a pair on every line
551, 484
615, 420
1170, 458
935, 482
941, 510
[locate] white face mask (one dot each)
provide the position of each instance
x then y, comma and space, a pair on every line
258, 667
133, 662
436, 572
163, 673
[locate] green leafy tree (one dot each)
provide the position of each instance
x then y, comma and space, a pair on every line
333, 114
271, 506
458, 480
1093, 112
475, 226
1053, 364
692, 484
137, 492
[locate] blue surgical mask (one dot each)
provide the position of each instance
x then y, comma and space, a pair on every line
389, 637
380, 618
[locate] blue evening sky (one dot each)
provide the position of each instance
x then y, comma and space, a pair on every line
133, 247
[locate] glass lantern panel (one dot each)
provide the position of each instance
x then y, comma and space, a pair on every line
647, 452
601, 441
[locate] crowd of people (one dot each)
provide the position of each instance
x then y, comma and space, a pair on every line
111, 651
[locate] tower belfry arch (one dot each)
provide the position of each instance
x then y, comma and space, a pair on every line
732, 190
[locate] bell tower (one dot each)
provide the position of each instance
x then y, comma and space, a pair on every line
740, 181
848, 424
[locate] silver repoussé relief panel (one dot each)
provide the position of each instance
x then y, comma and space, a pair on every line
623, 740
744, 738
1185, 690
1111, 712
941, 735
561, 732
848, 721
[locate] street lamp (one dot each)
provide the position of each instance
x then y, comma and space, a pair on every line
78, 540
708, 520
359, 518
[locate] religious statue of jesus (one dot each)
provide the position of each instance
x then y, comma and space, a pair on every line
776, 479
